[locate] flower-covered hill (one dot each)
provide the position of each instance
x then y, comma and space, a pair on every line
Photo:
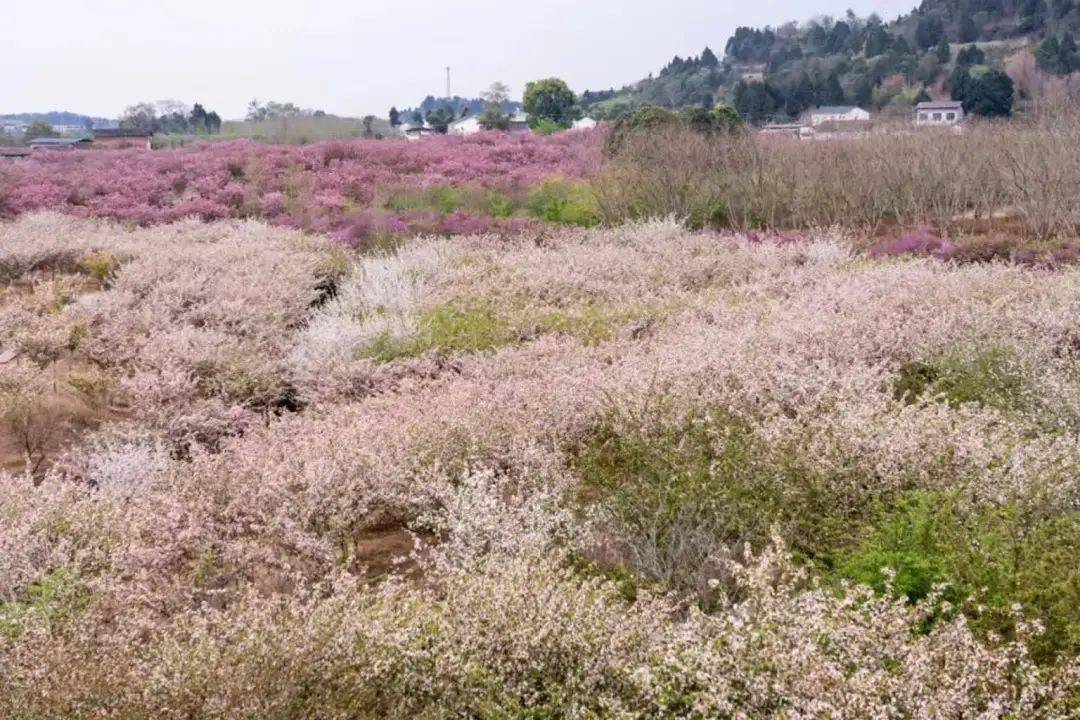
349, 189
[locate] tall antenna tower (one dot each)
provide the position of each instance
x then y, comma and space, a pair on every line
448, 95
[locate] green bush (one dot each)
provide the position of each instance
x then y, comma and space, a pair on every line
447, 329
994, 557
565, 203
54, 600
500, 206
543, 126
101, 266
444, 199
450, 329
721, 119
992, 379
677, 487
673, 491
639, 120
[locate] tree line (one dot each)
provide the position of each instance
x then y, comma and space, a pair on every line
549, 103
170, 117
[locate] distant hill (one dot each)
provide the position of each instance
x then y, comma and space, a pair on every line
778, 72
61, 117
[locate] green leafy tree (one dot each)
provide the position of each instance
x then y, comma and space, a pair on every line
726, 117
800, 96
213, 123
39, 129
1069, 57
197, 119
757, 101
550, 99
943, 52
440, 119
493, 116
971, 55
141, 116
929, 32
1048, 54
368, 125
546, 127
394, 117
989, 94
877, 41
831, 92
1058, 57
967, 31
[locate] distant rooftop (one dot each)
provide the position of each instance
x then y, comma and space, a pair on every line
120, 133
940, 105
834, 110
58, 142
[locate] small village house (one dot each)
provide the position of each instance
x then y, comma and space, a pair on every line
60, 143
519, 122
121, 138
418, 131
792, 130
942, 112
465, 126
837, 114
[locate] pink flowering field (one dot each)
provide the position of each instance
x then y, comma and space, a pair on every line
338, 188
250, 471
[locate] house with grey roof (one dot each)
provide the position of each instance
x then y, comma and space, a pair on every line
59, 143
939, 112
837, 114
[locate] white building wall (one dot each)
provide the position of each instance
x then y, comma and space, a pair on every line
856, 114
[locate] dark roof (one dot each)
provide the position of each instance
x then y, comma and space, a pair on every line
59, 142
940, 105
121, 133
834, 110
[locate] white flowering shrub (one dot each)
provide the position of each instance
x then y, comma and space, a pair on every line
617, 473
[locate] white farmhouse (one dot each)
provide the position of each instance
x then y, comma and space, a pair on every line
585, 123
837, 113
418, 131
947, 112
519, 122
465, 126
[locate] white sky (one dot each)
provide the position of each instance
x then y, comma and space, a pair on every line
353, 57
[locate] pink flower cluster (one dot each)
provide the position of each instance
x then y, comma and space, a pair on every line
338, 188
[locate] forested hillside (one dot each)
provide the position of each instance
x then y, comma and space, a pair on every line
778, 72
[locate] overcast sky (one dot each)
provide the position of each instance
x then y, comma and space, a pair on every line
353, 57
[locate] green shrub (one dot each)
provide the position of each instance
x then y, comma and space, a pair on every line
908, 542
544, 126
566, 203
721, 119
992, 379
500, 206
444, 199
675, 491
450, 329
993, 556
54, 600
101, 266
447, 329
